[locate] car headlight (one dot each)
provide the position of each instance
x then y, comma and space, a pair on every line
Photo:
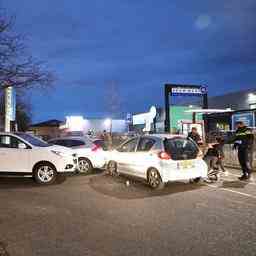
58, 153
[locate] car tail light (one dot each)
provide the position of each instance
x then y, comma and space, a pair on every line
96, 148
164, 155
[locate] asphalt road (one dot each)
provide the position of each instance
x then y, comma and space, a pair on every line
100, 215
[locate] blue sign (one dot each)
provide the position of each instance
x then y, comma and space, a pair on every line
247, 118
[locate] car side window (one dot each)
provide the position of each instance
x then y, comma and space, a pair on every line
7, 141
145, 144
129, 146
76, 143
59, 142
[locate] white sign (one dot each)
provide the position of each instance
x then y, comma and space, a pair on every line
184, 90
145, 118
10, 107
75, 123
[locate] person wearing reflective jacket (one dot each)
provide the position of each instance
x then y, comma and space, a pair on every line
243, 142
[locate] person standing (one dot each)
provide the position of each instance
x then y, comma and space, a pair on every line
243, 142
221, 154
194, 135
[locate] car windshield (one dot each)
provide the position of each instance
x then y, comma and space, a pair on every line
33, 140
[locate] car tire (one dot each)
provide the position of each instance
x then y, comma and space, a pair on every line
112, 168
45, 173
197, 180
154, 179
84, 165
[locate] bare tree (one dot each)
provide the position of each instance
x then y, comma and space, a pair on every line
17, 67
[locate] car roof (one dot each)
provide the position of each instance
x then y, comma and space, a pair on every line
71, 138
165, 136
12, 133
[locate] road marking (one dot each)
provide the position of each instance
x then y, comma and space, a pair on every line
245, 182
232, 191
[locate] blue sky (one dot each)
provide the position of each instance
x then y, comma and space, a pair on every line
133, 47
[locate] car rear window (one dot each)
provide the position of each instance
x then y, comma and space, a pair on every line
181, 149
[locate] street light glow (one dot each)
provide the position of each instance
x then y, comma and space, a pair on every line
252, 97
107, 122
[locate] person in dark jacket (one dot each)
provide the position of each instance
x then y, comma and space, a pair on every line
243, 142
194, 135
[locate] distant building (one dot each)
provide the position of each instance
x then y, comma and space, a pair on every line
46, 130
239, 100
80, 125
243, 104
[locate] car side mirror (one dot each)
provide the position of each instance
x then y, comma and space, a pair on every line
22, 146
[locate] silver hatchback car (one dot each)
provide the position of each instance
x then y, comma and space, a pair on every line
158, 159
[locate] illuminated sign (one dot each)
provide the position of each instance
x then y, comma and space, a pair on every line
145, 118
10, 103
247, 118
179, 90
75, 123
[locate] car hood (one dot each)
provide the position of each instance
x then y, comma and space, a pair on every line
64, 150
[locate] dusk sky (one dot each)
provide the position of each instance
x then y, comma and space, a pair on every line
139, 44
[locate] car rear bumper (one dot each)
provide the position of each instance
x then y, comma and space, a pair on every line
199, 170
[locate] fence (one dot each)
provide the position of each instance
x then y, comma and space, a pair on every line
231, 159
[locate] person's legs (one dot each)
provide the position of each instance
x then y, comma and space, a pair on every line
244, 163
248, 161
214, 163
221, 166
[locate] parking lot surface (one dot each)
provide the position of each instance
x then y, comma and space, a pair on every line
100, 215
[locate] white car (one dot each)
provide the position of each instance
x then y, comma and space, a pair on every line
158, 159
24, 154
90, 153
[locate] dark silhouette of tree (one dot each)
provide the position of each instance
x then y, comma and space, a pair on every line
17, 67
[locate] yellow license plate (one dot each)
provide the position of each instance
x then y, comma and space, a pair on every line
186, 164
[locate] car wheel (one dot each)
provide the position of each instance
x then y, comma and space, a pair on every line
197, 180
45, 173
84, 165
154, 179
112, 168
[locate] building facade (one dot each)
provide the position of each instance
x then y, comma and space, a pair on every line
243, 106
46, 130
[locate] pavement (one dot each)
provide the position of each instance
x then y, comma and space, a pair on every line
100, 215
